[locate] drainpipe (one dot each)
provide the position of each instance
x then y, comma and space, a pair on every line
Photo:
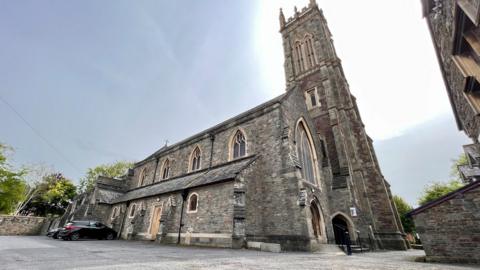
184, 198
212, 139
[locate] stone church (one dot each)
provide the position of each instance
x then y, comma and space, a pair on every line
294, 171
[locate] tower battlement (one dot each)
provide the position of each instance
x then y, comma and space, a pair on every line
296, 14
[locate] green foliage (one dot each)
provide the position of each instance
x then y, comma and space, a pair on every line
12, 183
403, 208
461, 160
50, 196
115, 169
437, 189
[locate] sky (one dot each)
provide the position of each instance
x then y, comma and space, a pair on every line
92, 82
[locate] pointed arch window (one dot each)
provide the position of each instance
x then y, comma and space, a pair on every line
304, 54
305, 154
166, 169
299, 54
143, 176
310, 53
195, 159
133, 209
317, 222
239, 145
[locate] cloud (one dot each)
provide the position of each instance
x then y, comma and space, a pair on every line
421, 155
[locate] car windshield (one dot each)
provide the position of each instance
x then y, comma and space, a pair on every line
79, 223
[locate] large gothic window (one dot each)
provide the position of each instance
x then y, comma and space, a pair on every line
299, 56
310, 53
305, 154
166, 169
239, 145
195, 159
304, 54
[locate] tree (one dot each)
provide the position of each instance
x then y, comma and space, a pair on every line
35, 173
12, 183
436, 190
50, 196
115, 169
461, 160
403, 208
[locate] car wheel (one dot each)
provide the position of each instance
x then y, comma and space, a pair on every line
109, 236
74, 237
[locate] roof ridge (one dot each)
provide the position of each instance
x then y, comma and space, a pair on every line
268, 103
444, 198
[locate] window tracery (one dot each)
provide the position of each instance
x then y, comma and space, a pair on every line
195, 159
239, 145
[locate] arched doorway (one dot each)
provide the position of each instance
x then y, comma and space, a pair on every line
340, 226
316, 220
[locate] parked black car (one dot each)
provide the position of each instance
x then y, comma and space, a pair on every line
53, 233
75, 230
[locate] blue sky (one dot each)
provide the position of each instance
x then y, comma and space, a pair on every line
112, 80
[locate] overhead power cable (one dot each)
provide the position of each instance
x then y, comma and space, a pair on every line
64, 157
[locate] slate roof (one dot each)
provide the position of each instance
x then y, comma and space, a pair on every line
467, 172
472, 150
224, 172
107, 196
444, 198
256, 109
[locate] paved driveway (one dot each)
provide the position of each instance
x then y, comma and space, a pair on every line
38, 252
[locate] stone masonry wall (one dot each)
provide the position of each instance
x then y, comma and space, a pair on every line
442, 26
450, 231
21, 225
210, 225
294, 108
252, 126
356, 178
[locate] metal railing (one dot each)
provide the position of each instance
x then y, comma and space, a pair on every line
345, 241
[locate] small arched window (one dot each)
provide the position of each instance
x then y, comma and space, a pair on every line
166, 169
142, 177
195, 159
115, 212
239, 145
133, 208
192, 203
305, 153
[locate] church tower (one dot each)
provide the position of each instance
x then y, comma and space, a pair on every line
359, 196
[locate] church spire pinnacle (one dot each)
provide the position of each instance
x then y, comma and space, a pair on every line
312, 3
282, 19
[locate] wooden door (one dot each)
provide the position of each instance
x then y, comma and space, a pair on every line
157, 212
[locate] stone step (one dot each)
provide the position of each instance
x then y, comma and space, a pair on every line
330, 249
359, 249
